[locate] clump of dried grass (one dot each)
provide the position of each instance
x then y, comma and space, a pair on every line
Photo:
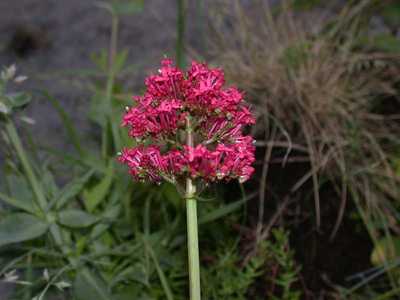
317, 90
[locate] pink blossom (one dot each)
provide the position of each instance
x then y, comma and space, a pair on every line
145, 163
218, 115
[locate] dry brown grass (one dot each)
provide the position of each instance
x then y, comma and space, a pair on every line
317, 91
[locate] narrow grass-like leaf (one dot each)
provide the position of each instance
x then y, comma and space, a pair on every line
222, 211
110, 214
94, 196
120, 60
48, 182
135, 272
87, 286
72, 189
67, 122
127, 7
160, 272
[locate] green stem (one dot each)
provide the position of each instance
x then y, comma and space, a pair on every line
29, 277
192, 228
193, 248
15, 140
109, 90
180, 46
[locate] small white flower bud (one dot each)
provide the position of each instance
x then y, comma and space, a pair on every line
20, 79
242, 179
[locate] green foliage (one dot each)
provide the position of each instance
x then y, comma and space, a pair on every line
89, 286
20, 203
229, 277
306, 4
226, 279
75, 218
295, 56
222, 211
284, 258
384, 42
127, 7
391, 13
93, 196
19, 227
386, 249
10, 102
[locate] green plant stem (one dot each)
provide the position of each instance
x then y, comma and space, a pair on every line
112, 52
180, 46
192, 227
29, 277
193, 248
16, 142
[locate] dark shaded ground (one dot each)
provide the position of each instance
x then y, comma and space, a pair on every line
324, 262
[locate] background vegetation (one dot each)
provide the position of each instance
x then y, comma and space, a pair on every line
319, 220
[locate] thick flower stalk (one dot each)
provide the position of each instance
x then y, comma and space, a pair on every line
189, 130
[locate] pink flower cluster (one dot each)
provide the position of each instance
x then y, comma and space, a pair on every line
217, 116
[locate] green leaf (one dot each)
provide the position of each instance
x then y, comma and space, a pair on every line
100, 60
94, 196
385, 42
305, 4
20, 192
76, 218
386, 249
49, 183
391, 14
127, 7
171, 194
110, 214
132, 291
88, 285
5, 107
295, 55
221, 212
160, 272
99, 109
18, 100
10, 102
137, 273
67, 122
18, 203
21, 227
120, 60
72, 189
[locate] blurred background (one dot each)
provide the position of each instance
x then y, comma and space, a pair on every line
319, 220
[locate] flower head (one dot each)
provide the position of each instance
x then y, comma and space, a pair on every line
158, 122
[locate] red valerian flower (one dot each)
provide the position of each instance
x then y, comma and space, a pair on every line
217, 115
